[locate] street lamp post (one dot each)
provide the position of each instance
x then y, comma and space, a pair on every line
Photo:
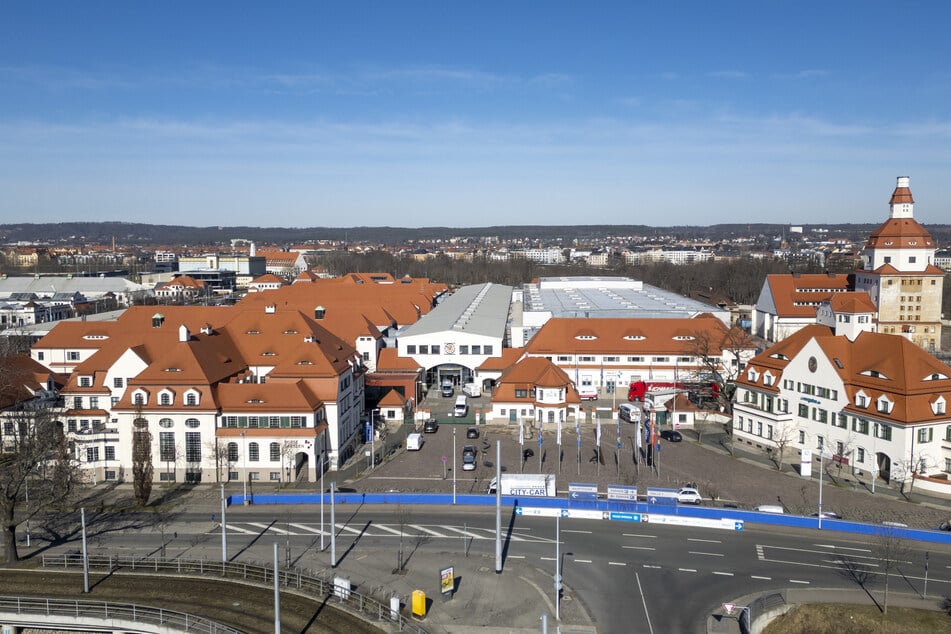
224, 524
454, 464
244, 454
322, 465
557, 568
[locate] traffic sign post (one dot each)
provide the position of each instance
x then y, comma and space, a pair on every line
728, 608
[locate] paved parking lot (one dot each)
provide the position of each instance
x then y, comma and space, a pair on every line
745, 479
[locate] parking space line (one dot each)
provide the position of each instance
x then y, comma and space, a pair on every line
798, 581
515, 556
651, 566
724, 574
709, 541
697, 552
582, 561
686, 569
616, 563
639, 547
566, 530
636, 535
762, 578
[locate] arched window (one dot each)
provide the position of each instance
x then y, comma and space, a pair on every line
275, 452
166, 423
254, 453
191, 399
192, 423
165, 399
232, 452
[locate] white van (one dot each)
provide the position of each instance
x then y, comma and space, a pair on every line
628, 412
461, 408
414, 442
472, 389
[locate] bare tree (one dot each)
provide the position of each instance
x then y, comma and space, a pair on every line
720, 357
891, 550
142, 471
218, 448
783, 435
404, 516
907, 469
35, 460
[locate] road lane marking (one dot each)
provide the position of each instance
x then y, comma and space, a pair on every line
349, 529
725, 574
427, 530
761, 578
697, 552
547, 558
686, 569
465, 532
709, 541
516, 556
582, 561
639, 547
565, 530
637, 535
644, 601
850, 562
616, 563
861, 550
268, 527
388, 529
650, 566
798, 581
231, 528
309, 529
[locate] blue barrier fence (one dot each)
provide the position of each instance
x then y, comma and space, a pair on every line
508, 501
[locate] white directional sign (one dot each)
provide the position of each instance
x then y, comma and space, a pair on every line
537, 512
623, 493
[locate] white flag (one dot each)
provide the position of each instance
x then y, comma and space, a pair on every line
559, 433
638, 434
521, 433
597, 436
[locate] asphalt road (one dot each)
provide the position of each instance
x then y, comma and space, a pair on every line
661, 578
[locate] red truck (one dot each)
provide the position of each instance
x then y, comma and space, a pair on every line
639, 389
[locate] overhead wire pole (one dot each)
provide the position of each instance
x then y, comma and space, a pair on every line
224, 524
82, 517
333, 528
277, 595
498, 507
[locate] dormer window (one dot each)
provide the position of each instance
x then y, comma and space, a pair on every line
884, 405
192, 398
874, 374
166, 397
861, 399
683, 338
585, 337
634, 337
752, 375
768, 379
939, 406
780, 356
140, 397
937, 376
85, 381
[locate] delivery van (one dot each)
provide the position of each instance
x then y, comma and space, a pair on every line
462, 407
414, 442
628, 412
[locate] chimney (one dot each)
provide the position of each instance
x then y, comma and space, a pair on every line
270, 309
183, 334
206, 329
254, 250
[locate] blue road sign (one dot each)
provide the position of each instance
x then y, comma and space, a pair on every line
738, 525
518, 510
626, 517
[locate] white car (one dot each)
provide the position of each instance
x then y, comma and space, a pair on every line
688, 495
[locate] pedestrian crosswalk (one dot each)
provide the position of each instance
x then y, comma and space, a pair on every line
379, 530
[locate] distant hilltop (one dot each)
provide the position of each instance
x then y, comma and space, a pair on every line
139, 233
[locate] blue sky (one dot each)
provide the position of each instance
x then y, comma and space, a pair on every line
473, 114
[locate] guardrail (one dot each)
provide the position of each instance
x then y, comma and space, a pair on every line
294, 580
73, 611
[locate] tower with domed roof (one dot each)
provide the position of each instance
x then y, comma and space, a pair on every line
899, 274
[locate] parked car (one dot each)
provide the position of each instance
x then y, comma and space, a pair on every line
671, 435
828, 515
472, 432
468, 458
689, 495
430, 427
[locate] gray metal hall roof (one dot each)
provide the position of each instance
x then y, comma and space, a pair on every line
481, 309
608, 296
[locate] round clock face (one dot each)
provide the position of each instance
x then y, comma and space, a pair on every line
450, 348
813, 364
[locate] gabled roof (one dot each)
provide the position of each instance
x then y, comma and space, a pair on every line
392, 399
623, 336
275, 396
530, 373
390, 361
852, 302
798, 295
